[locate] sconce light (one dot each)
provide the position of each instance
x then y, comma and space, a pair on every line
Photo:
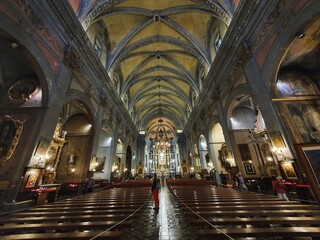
279, 151
114, 168
50, 168
71, 170
230, 158
14, 45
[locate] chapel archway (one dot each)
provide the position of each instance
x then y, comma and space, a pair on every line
204, 154
75, 156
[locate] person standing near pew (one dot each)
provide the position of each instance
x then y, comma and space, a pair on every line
223, 179
91, 184
279, 187
240, 181
85, 185
155, 191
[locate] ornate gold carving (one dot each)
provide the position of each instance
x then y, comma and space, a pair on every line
22, 90
10, 132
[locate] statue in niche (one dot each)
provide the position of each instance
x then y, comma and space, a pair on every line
70, 155
207, 158
260, 125
72, 159
223, 157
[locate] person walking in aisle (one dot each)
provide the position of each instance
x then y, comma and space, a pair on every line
155, 191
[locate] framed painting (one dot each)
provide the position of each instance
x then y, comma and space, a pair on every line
289, 170
309, 157
244, 152
249, 168
302, 118
10, 132
313, 156
277, 140
32, 179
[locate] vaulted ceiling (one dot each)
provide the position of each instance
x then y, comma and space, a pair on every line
156, 52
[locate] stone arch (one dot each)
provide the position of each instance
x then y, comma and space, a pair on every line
233, 98
76, 152
271, 64
78, 95
23, 87
34, 58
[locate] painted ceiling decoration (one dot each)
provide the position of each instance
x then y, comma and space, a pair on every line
157, 52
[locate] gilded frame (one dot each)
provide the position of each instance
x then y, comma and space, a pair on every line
10, 133
289, 170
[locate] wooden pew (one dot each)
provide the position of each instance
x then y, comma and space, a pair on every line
255, 213
258, 221
260, 232
61, 219
252, 207
44, 227
245, 214
113, 235
82, 217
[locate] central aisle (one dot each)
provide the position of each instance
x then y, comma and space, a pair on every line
166, 224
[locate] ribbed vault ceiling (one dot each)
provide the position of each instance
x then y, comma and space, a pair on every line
158, 50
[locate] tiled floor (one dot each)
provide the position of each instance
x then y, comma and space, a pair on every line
166, 224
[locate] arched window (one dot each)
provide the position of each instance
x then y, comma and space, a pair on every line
97, 45
217, 40
194, 98
125, 100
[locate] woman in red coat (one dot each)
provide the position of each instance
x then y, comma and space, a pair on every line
279, 187
155, 191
